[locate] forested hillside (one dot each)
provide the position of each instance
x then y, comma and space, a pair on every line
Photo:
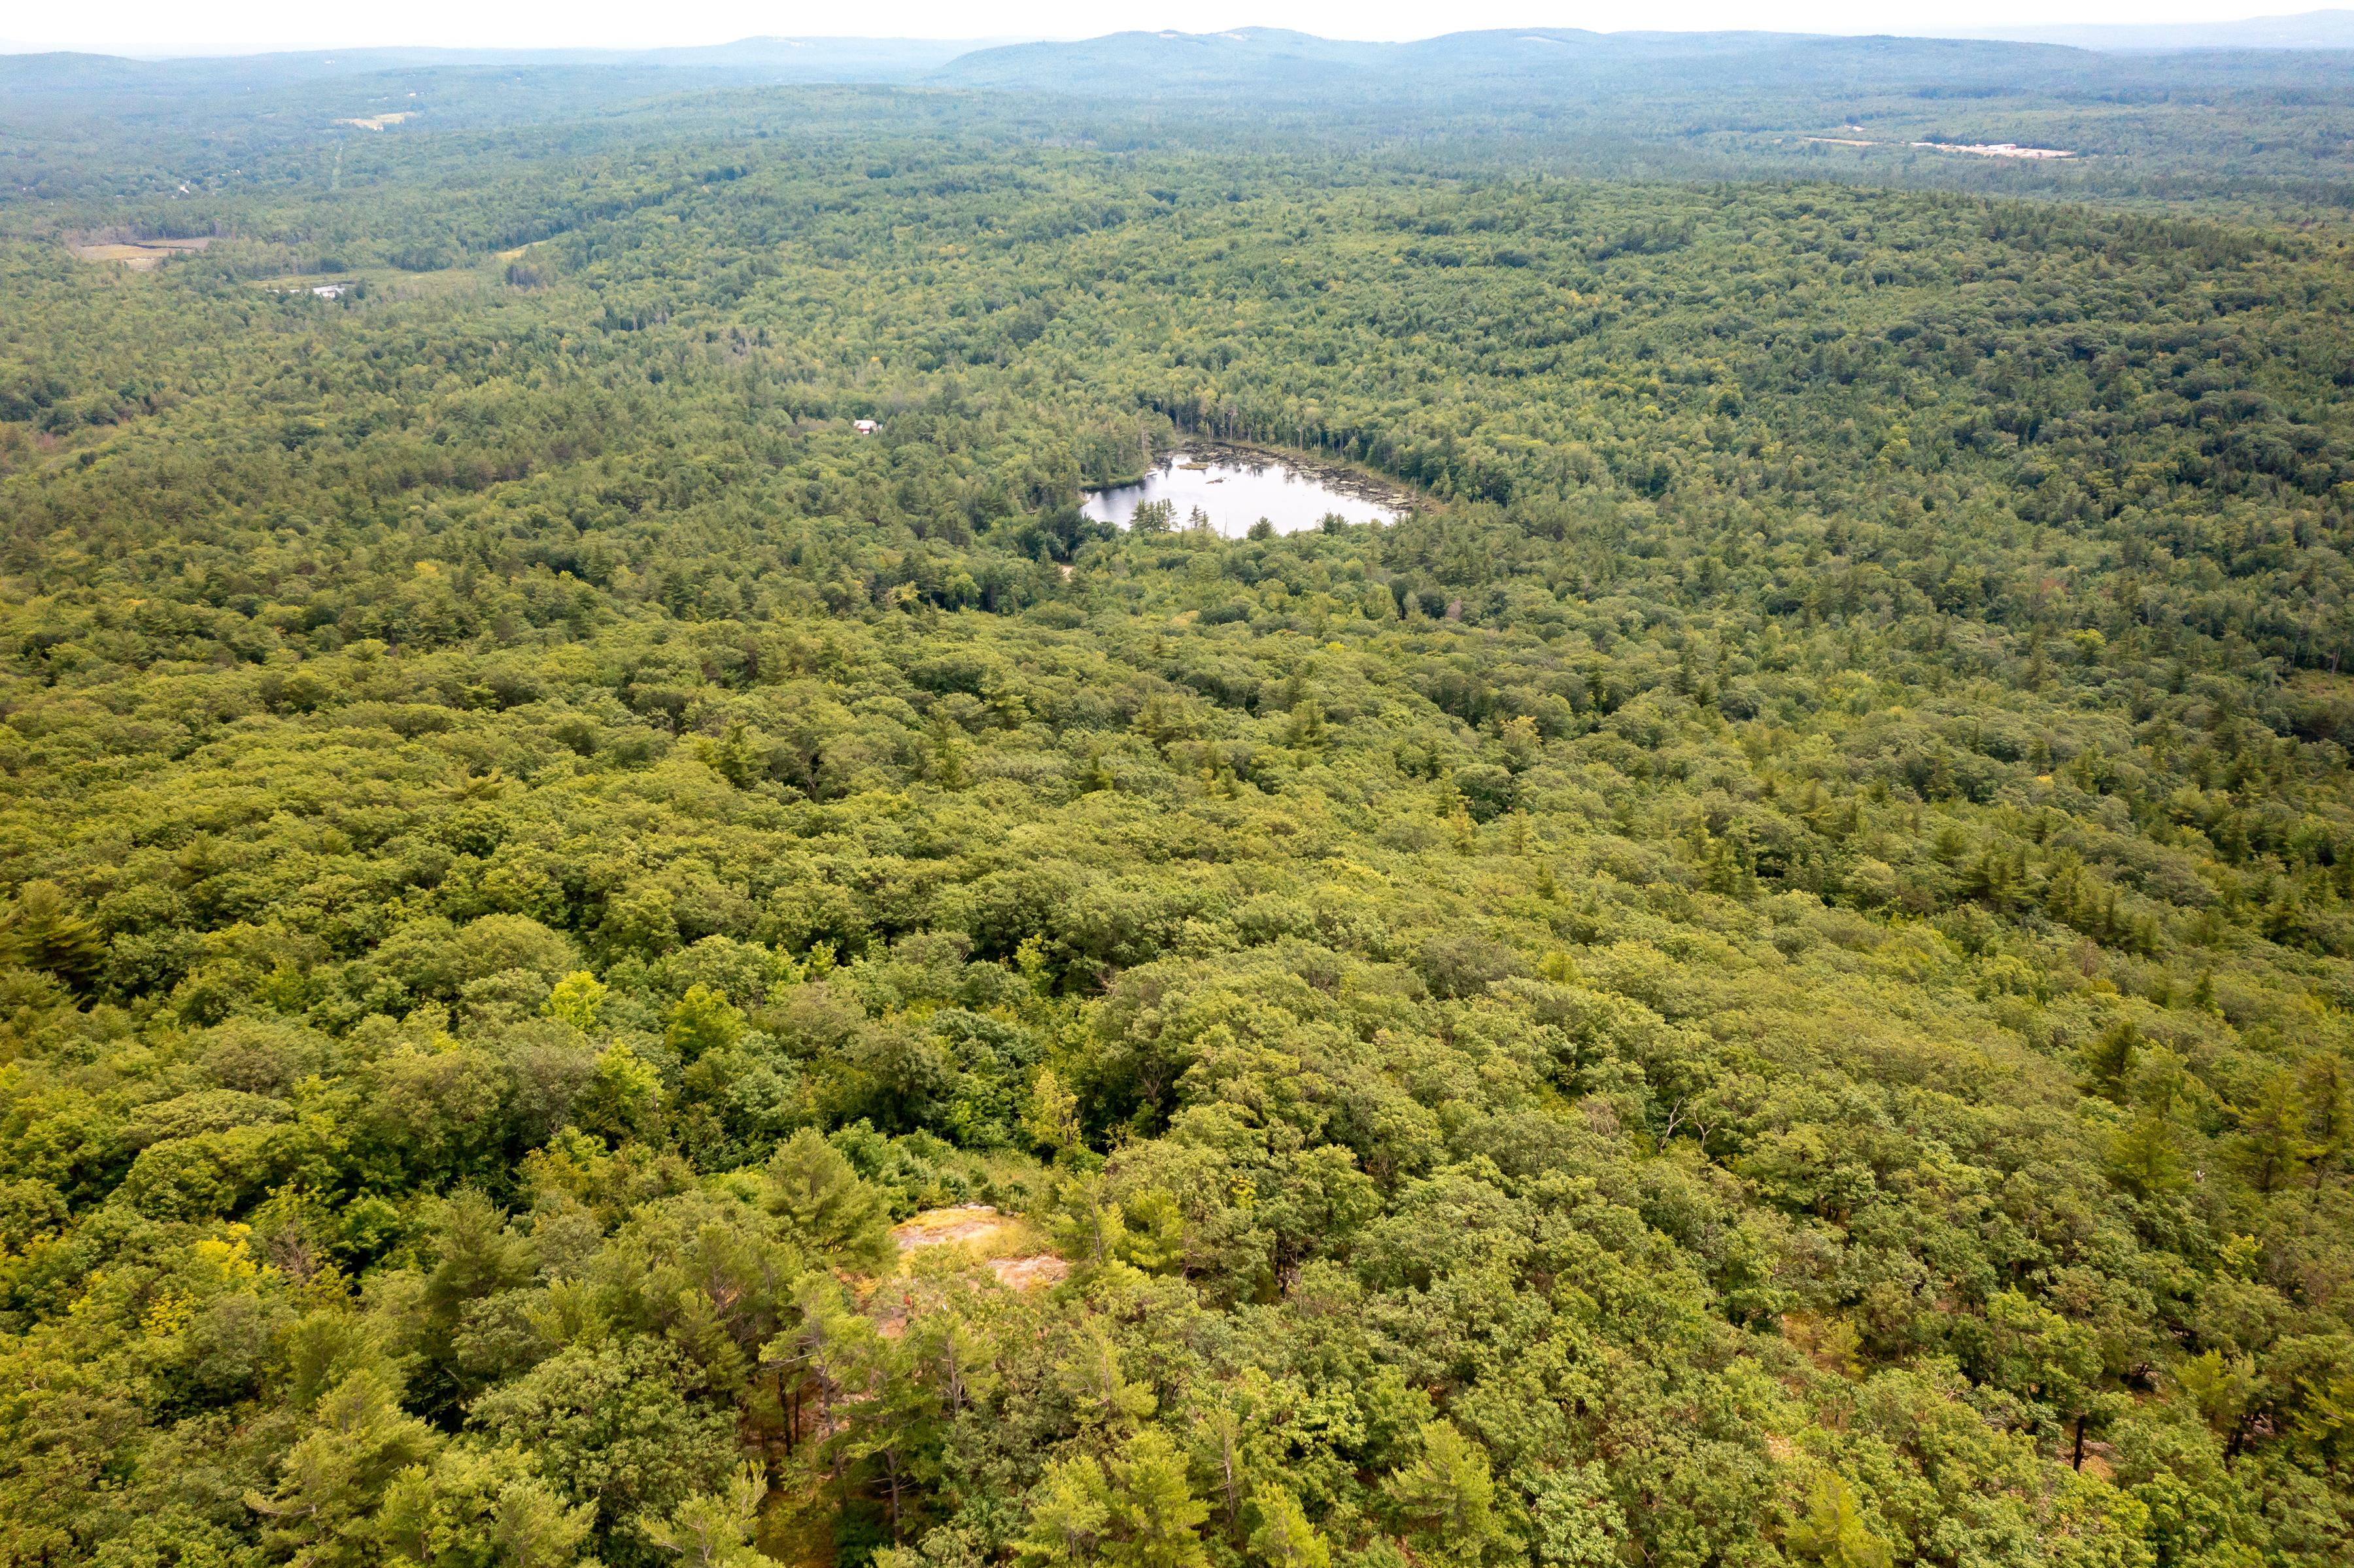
196, 143
1763, 980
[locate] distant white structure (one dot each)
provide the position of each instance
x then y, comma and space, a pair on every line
864, 427
1995, 149
331, 291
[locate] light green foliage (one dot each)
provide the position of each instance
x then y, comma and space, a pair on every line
356, 1443
1832, 1532
1152, 1231
813, 1189
702, 1022
577, 999
623, 1099
1052, 1116
1070, 1512
714, 1530
1443, 1498
474, 1508
1283, 1537
1577, 1524
1153, 1517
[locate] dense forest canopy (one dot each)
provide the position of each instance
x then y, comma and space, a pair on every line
596, 966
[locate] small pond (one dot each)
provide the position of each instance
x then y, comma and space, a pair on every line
1233, 489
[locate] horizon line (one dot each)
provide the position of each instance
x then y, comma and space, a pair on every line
253, 50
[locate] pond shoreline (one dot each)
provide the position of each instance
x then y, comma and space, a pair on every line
1355, 483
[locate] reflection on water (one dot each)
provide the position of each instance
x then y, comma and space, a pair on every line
1234, 492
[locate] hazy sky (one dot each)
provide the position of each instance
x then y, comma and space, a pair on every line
212, 26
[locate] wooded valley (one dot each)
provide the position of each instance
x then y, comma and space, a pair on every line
1764, 979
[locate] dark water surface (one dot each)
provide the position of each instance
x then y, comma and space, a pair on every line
1234, 490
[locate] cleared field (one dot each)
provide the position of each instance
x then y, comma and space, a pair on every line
140, 255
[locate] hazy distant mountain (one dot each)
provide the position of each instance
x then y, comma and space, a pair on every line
2307, 30
823, 60
1272, 60
745, 61
1556, 65
1159, 59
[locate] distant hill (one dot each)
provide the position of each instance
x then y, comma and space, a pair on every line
2306, 30
1124, 61
821, 59
747, 61
1254, 59
1299, 64
1563, 71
